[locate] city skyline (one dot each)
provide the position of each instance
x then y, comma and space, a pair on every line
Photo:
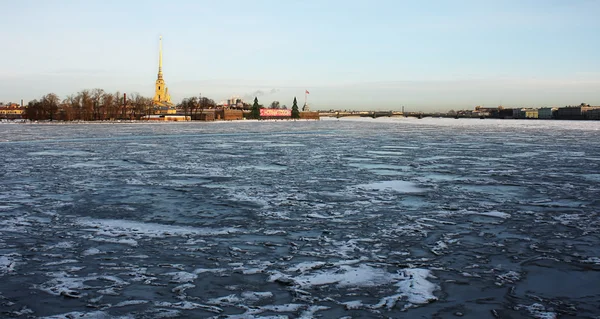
349, 55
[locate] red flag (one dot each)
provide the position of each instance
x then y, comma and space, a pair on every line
307, 92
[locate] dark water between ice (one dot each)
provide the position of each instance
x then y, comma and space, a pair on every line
329, 219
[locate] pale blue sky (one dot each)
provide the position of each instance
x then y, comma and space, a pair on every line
425, 55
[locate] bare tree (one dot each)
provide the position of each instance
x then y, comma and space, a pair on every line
108, 106
87, 105
33, 110
50, 103
97, 103
138, 106
193, 106
206, 103
274, 105
183, 105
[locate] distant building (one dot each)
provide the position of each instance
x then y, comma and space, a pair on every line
499, 112
569, 113
576, 112
229, 115
11, 111
546, 113
518, 113
531, 113
593, 114
505, 113
310, 115
233, 103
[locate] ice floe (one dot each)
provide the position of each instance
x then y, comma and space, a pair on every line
413, 285
396, 186
361, 276
63, 284
188, 305
91, 251
538, 311
182, 276
116, 227
495, 214
509, 277
87, 315
8, 263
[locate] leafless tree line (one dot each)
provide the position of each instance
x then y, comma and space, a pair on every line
89, 105
194, 106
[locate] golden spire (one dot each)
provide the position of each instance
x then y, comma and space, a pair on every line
160, 74
161, 93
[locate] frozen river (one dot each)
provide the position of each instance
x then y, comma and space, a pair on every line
386, 218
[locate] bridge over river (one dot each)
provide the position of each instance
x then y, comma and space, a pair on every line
376, 114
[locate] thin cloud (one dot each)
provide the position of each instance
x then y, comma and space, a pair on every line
259, 93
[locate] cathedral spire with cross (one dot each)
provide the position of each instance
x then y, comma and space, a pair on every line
161, 92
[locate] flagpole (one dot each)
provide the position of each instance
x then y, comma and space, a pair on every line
305, 95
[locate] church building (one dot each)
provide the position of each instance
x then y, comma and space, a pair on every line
162, 99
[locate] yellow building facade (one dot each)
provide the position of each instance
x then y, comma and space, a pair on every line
12, 111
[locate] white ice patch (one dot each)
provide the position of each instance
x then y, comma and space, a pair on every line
61, 262
17, 224
91, 251
493, 214
64, 285
309, 313
254, 296
87, 315
439, 248
290, 307
109, 292
353, 305
344, 276
131, 303
415, 287
224, 301
538, 311
187, 305
253, 267
396, 186
567, 219
115, 227
275, 232
7, 264
213, 270
589, 260
163, 313
509, 277
130, 242
63, 245
317, 215
182, 276
60, 153
180, 290
306, 266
